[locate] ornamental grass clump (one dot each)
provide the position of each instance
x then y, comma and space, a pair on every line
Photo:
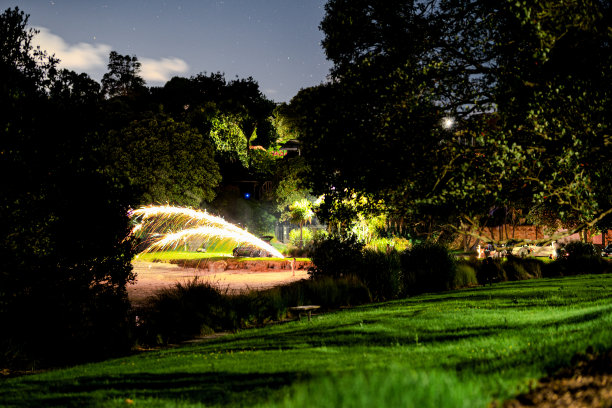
183, 311
465, 276
382, 273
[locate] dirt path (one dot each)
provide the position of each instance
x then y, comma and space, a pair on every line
153, 276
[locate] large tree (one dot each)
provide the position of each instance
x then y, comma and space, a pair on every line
123, 76
165, 161
401, 67
64, 256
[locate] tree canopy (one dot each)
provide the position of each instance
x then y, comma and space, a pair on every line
529, 122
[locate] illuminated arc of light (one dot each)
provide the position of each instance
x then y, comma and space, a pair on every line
209, 233
202, 224
176, 214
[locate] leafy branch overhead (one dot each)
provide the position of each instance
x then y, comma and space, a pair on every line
528, 88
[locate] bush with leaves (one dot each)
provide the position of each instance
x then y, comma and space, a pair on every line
579, 249
428, 267
490, 270
194, 308
296, 239
517, 268
465, 276
382, 273
336, 256
582, 258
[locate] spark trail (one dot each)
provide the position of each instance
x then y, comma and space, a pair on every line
172, 226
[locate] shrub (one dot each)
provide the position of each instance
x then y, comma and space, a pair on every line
427, 267
294, 236
522, 268
336, 256
327, 292
465, 276
296, 252
515, 271
194, 308
577, 249
577, 265
183, 311
382, 273
490, 270
582, 258
382, 244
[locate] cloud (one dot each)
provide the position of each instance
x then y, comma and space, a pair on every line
77, 57
161, 70
84, 56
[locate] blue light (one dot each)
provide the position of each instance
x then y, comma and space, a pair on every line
247, 195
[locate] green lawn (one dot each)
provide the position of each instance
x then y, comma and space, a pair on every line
454, 349
167, 256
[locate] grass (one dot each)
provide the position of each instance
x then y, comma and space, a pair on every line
167, 256
452, 349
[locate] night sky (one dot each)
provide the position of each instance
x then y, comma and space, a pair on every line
277, 42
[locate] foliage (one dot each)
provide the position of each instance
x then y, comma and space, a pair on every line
522, 268
578, 249
490, 270
166, 161
122, 78
63, 273
257, 216
197, 308
300, 212
290, 173
302, 237
465, 276
336, 256
466, 348
228, 138
515, 271
382, 274
531, 123
581, 258
188, 309
386, 244
428, 267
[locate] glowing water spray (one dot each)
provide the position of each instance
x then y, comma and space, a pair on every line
173, 226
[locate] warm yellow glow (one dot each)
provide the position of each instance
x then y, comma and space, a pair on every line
172, 226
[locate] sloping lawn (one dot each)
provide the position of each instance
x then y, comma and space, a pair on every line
454, 349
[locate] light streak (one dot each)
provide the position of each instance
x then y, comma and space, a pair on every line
172, 226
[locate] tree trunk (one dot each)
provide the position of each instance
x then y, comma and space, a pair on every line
301, 237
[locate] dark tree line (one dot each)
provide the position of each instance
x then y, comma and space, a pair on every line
75, 156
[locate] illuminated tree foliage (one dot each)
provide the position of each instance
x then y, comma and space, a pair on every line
531, 127
165, 161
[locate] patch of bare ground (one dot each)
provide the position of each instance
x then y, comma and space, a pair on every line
587, 383
151, 277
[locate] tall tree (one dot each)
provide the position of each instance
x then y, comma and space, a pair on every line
123, 76
401, 67
64, 257
165, 161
